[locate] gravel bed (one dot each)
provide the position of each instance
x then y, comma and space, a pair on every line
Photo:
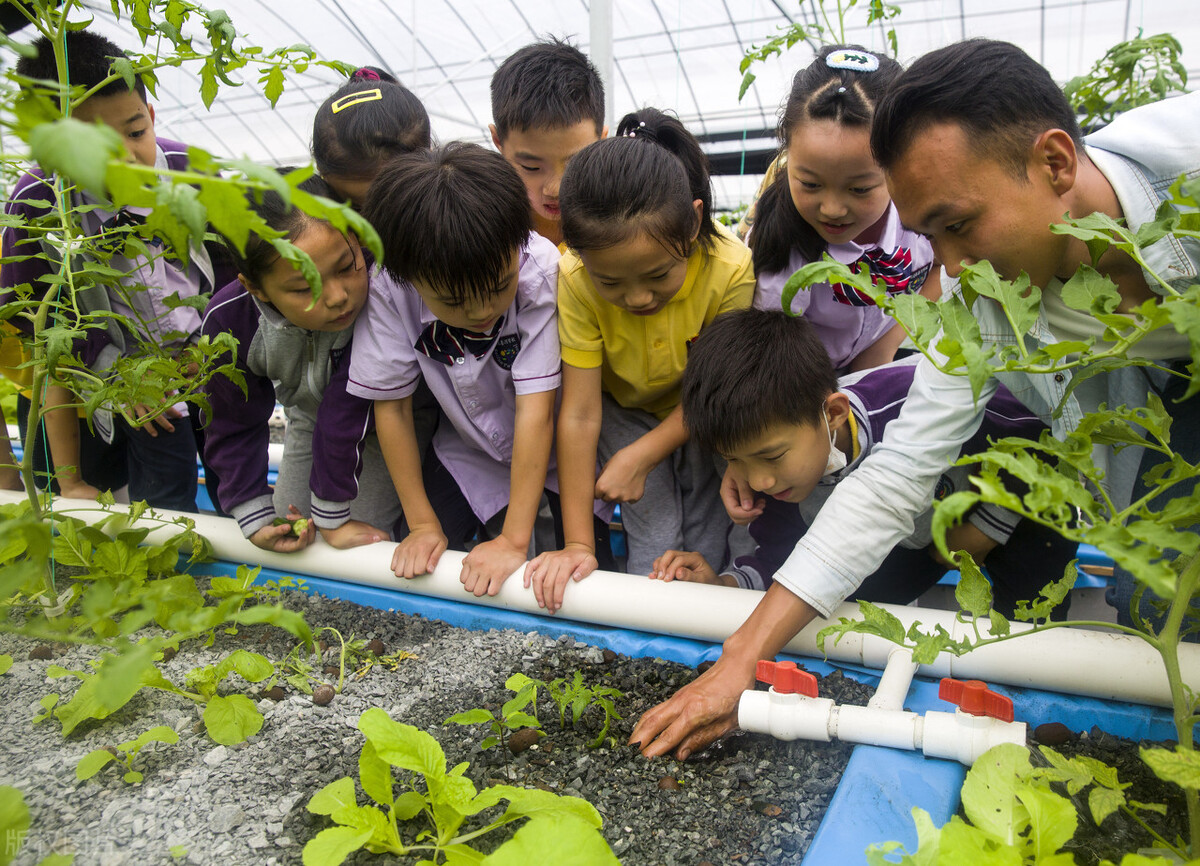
748, 800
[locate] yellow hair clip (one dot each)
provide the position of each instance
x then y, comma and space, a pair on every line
356, 99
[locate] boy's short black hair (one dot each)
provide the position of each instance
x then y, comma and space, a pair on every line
1000, 96
751, 370
89, 59
451, 218
546, 85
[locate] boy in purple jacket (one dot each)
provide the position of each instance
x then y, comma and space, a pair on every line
797, 431
161, 454
296, 350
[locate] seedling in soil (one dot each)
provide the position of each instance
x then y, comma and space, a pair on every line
578, 697
448, 799
95, 761
298, 671
512, 715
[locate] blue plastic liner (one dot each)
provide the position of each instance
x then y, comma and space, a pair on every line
880, 787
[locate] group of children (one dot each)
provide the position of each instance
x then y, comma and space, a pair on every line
563, 321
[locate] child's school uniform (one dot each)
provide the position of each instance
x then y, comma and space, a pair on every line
332, 468
641, 359
162, 468
474, 378
1028, 556
846, 320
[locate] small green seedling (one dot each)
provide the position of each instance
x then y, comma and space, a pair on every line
299, 525
95, 761
512, 714
230, 719
578, 697
442, 800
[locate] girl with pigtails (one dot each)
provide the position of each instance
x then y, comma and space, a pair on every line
646, 271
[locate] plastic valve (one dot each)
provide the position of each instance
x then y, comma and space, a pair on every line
975, 698
786, 678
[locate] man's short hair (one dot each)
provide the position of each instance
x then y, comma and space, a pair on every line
751, 370
546, 85
1000, 96
450, 218
89, 59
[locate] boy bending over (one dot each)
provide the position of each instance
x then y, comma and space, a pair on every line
794, 431
472, 309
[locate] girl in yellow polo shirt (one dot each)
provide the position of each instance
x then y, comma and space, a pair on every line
646, 271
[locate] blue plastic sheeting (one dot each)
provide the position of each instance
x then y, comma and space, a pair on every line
880, 787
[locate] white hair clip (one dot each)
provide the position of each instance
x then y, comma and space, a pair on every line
858, 61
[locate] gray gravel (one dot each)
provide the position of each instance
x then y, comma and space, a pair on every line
748, 800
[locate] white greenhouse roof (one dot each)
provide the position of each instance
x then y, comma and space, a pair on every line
673, 54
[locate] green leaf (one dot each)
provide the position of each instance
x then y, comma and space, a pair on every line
403, 745
1091, 291
158, 734
1103, 802
375, 775
409, 805
989, 793
470, 717
231, 720
273, 84
1052, 820
102, 694
47, 703
252, 667
332, 846
57, 860
337, 795
488, 742
522, 720
574, 842
6, 662
133, 777
92, 763
14, 823
530, 802
1181, 766
76, 150
974, 591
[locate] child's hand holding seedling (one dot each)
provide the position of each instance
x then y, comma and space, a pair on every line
287, 534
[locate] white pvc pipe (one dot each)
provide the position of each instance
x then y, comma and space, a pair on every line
894, 684
1071, 661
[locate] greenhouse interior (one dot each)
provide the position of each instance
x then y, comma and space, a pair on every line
626, 431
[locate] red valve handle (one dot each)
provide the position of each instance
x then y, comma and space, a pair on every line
786, 677
974, 697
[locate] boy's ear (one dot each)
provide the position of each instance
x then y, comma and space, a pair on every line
253, 290
495, 136
604, 131
150, 108
1055, 156
837, 409
698, 206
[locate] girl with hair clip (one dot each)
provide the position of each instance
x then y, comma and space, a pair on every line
367, 120
297, 351
828, 196
647, 270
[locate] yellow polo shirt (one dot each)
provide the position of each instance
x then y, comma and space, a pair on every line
642, 357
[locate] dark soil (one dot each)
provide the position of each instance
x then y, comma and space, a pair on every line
1121, 834
748, 800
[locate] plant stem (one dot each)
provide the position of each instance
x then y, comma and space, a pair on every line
1168, 647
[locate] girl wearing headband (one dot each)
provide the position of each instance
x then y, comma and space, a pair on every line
364, 122
829, 196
